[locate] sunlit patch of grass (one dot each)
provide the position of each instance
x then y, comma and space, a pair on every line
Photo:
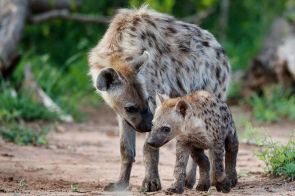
74, 187
253, 135
275, 104
279, 159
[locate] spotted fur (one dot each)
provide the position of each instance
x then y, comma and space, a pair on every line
199, 121
144, 52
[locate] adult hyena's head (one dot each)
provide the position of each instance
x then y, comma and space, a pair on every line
169, 118
119, 86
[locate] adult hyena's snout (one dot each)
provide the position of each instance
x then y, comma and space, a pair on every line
145, 124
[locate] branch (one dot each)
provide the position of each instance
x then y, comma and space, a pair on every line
37, 93
66, 15
199, 17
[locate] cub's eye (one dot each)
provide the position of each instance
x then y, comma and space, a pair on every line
131, 109
165, 129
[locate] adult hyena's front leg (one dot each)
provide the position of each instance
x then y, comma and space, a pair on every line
127, 149
151, 181
182, 155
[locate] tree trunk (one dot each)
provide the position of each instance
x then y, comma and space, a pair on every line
275, 64
12, 19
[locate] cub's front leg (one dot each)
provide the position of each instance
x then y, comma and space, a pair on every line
218, 175
182, 155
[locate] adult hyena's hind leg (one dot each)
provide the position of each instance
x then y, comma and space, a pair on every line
231, 152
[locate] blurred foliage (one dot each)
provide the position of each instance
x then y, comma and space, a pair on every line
23, 135
275, 103
252, 135
280, 159
16, 107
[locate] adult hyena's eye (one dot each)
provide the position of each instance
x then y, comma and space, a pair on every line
131, 109
165, 129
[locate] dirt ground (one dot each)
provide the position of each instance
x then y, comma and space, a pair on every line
88, 154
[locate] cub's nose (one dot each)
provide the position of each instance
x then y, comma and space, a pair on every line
150, 142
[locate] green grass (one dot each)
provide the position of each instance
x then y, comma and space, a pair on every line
74, 187
252, 135
15, 107
21, 135
276, 103
280, 159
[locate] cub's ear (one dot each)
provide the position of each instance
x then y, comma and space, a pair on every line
107, 79
160, 98
182, 107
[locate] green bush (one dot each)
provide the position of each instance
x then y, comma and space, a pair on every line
274, 104
14, 107
22, 135
280, 159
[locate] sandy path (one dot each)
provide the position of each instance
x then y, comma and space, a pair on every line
88, 154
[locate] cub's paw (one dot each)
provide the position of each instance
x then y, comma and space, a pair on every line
151, 184
174, 189
117, 186
203, 186
223, 186
190, 181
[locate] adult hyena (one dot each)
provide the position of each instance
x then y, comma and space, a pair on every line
144, 52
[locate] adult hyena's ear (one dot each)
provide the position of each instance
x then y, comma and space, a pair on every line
182, 107
160, 99
139, 61
107, 79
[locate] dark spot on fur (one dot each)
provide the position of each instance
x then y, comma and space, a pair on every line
217, 72
171, 30
205, 43
143, 35
180, 86
151, 23
173, 93
133, 29
136, 21
130, 58
151, 35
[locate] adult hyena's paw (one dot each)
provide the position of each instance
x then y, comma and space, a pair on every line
233, 178
203, 186
190, 181
151, 184
233, 181
223, 186
117, 186
174, 189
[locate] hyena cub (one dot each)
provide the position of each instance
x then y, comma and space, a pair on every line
199, 121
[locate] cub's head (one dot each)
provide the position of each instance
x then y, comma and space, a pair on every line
124, 94
169, 117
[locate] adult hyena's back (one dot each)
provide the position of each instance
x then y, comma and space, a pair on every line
176, 58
